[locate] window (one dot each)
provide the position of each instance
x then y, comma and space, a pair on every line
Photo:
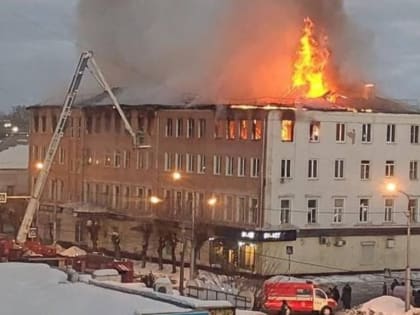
36, 123
217, 165
241, 166
126, 197
363, 210
389, 168
389, 210
255, 167
313, 169
314, 129
117, 159
229, 165
190, 162
201, 164
413, 170
54, 122
98, 123
201, 128
89, 124
242, 209
179, 161
340, 132
108, 160
285, 169
190, 128
218, 129
365, 170
413, 204
390, 133
312, 211
366, 133
117, 122
253, 211
168, 161
140, 200
168, 128
127, 159
256, 129
339, 169
338, 210
142, 160
243, 129
43, 123
231, 129
285, 211
229, 208
179, 129
287, 130
61, 156
414, 134
107, 119
141, 123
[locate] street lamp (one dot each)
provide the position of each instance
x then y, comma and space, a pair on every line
39, 165
392, 187
176, 176
155, 200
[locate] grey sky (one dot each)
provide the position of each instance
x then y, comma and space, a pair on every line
38, 53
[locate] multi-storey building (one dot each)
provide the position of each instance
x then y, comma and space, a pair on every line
271, 189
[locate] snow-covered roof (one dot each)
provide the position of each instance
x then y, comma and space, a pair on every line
15, 157
37, 289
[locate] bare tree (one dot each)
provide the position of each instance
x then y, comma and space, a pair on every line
161, 246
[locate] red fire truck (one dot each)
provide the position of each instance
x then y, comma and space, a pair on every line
300, 296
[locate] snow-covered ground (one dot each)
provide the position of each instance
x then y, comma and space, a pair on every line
383, 305
37, 289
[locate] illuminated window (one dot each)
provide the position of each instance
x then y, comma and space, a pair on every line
314, 128
108, 160
243, 129
231, 129
287, 130
256, 129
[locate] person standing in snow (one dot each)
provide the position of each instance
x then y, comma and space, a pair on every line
335, 294
284, 309
384, 289
346, 296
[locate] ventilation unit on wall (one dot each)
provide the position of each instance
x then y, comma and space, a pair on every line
339, 242
390, 243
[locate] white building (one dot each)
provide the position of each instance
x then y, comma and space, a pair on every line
326, 176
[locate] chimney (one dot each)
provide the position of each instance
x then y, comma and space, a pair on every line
369, 91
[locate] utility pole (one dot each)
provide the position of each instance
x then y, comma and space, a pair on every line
192, 257
181, 271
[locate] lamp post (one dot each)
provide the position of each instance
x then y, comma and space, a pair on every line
393, 187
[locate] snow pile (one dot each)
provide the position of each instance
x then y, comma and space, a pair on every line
73, 251
14, 157
37, 289
383, 305
281, 278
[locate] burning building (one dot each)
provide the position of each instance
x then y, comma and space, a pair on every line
294, 184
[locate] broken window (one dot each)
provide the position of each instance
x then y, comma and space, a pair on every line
36, 123
89, 123
43, 123
231, 129
243, 129
256, 129
218, 129
314, 131
287, 130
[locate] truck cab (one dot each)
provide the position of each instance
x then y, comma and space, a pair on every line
300, 296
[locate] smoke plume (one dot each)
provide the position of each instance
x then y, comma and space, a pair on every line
211, 51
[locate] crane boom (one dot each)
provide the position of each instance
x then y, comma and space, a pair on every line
71, 94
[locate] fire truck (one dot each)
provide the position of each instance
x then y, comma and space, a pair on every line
15, 249
301, 297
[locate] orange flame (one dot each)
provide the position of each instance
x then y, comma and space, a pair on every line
311, 62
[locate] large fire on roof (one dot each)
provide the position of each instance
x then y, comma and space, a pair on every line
309, 74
